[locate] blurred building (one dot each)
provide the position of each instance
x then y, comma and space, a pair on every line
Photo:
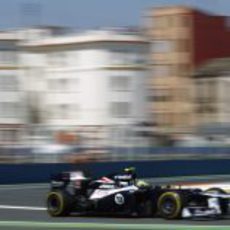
212, 100
182, 38
92, 79
12, 95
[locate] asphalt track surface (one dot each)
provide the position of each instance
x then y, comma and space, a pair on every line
23, 207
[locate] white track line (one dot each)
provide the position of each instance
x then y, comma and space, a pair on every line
108, 226
23, 186
22, 208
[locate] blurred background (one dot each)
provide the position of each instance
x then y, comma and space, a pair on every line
116, 80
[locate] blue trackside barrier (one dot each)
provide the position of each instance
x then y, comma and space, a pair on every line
39, 173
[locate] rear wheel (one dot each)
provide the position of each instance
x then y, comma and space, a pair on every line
59, 203
170, 205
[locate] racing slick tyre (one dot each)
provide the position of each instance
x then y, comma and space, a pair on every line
59, 203
170, 205
223, 202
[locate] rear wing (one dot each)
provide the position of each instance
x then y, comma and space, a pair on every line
64, 178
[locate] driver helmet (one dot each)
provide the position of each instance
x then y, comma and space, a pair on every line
142, 184
130, 170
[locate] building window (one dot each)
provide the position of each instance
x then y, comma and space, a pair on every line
150, 23
120, 57
61, 85
227, 89
163, 119
139, 58
182, 70
185, 21
7, 136
160, 95
9, 110
155, 22
120, 109
206, 93
53, 112
8, 83
73, 85
61, 111
182, 46
161, 46
8, 57
119, 83
161, 22
161, 70
57, 59
206, 109
74, 111
127, 57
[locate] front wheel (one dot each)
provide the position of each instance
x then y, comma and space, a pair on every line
58, 203
223, 202
170, 205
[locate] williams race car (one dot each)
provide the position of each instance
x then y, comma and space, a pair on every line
123, 194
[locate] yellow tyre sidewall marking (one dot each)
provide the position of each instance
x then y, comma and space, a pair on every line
60, 198
177, 199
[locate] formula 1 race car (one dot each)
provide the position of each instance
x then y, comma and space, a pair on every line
123, 194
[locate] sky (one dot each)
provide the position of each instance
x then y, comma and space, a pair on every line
91, 14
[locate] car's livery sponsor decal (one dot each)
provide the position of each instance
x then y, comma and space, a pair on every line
119, 199
100, 193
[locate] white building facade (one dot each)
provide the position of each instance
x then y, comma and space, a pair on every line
12, 95
95, 78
